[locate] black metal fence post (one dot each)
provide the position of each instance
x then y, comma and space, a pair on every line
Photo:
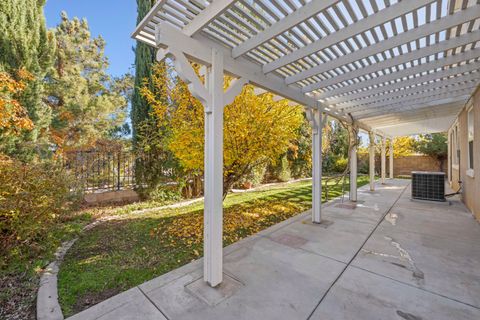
118, 170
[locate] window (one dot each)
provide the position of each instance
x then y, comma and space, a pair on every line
455, 147
470, 142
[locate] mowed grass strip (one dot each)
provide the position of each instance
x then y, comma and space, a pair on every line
121, 254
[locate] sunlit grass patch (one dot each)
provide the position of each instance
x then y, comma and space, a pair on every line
120, 254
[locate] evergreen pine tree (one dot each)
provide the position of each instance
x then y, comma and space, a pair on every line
144, 59
26, 43
87, 103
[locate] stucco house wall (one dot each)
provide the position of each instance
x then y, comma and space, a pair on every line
470, 179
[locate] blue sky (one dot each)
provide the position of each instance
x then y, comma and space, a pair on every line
114, 20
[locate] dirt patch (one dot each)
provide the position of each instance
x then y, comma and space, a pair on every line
91, 299
17, 297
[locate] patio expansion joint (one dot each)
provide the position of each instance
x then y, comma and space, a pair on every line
358, 251
413, 286
153, 303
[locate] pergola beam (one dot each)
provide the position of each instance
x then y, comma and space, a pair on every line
147, 19
407, 102
353, 99
414, 70
420, 102
367, 103
395, 117
212, 11
404, 58
198, 49
303, 13
390, 43
360, 26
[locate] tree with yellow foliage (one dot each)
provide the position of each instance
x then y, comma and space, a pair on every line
402, 146
13, 116
257, 129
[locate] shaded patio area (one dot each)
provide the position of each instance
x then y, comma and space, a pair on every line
384, 257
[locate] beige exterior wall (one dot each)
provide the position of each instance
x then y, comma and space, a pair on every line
459, 172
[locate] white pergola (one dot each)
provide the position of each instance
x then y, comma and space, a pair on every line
388, 67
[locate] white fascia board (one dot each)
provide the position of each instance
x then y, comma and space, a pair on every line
413, 55
411, 35
212, 11
303, 13
425, 67
360, 26
410, 92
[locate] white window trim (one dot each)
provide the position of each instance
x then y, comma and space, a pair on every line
455, 147
470, 172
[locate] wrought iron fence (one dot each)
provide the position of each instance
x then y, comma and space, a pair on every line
102, 170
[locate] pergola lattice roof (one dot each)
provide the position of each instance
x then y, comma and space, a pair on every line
400, 67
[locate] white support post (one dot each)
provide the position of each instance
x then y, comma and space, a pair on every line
371, 160
383, 160
213, 212
390, 160
353, 165
314, 116
214, 99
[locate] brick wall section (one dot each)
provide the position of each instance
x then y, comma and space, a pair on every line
402, 166
405, 165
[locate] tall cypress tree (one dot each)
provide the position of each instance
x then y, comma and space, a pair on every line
26, 43
144, 59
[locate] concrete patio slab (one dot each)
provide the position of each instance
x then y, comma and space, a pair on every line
279, 282
359, 265
131, 304
440, 264
364, 295
339, 241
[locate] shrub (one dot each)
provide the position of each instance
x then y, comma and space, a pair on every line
164, 194
340, 165
33, 197
254, 178
281, 171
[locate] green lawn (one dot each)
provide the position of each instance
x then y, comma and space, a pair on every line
19, 275
120, 254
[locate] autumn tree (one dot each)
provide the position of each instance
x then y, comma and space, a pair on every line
402, 146
26, 44
87, 104
13, 116
256, 129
